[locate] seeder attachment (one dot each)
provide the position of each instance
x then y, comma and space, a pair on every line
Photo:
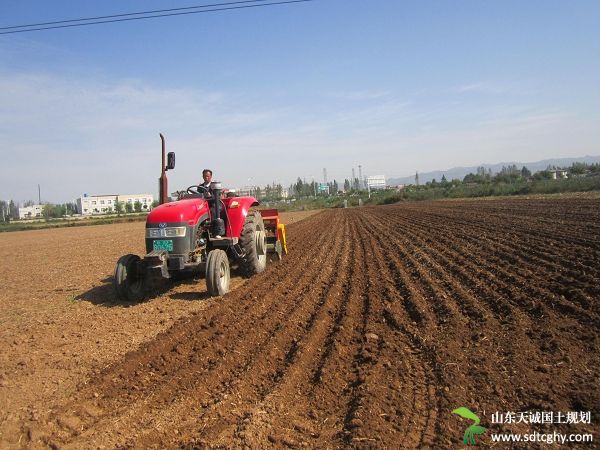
275, 230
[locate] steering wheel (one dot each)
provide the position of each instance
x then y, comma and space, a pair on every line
197, 189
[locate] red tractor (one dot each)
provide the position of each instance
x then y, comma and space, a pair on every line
204, 230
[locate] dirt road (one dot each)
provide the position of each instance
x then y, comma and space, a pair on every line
379, 323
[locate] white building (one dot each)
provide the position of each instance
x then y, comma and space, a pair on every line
30, 212
376, 182
247, 191
105, 204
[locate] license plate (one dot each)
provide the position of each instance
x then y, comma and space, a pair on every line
163, 244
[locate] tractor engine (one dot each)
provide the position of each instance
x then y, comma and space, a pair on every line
173, 229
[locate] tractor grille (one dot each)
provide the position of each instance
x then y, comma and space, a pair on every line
165, 232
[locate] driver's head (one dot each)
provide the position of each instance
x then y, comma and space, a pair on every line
207, 175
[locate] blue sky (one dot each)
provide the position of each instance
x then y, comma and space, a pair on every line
270, 94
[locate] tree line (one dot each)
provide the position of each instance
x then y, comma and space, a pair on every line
9, 210
302, 189
510, 180
512, 174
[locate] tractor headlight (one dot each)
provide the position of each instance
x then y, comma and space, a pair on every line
165, 232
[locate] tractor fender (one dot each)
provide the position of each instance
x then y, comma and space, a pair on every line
188, 210
237, 210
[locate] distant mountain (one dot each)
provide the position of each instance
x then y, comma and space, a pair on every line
460, 172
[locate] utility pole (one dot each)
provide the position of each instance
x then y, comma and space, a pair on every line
360, 178
39, 195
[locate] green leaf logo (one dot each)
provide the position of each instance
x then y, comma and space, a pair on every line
474, 429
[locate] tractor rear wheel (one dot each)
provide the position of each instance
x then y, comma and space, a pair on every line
217, 273
129, 285
254, 243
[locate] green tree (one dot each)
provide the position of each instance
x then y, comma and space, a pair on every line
299, 188
543, 175
137, 206
525, 172
578, 168
70, 208
480, 177
47, 211
508, 174
129, 207
119, 206
13, 210
470, 178
4, 211
312, 189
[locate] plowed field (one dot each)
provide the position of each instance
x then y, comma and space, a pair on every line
376, 326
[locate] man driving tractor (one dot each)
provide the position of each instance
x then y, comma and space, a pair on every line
207, 177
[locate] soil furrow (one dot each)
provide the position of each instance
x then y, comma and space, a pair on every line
253, 381
379, 323
182, 361
387, 364
506, 279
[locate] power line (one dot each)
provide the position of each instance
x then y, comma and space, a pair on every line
129, 14
146, 15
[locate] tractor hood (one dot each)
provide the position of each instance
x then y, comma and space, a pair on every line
188, 210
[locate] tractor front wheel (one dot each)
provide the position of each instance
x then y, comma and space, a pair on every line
217, 273
129, 285
254, 242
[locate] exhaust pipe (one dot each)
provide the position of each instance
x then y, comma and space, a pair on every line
163, 189
162, 181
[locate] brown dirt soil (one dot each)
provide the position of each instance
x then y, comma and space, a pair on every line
376, 326
60, 322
